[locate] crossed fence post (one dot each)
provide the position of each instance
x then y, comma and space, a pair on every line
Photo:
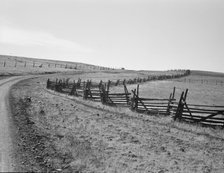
181, 104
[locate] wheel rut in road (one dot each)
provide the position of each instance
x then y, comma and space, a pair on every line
7, 162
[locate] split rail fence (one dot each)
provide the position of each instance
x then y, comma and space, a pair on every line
203, 81
182, 111
162, 106
99, 92
194, 113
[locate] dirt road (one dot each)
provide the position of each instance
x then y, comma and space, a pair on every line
7, 163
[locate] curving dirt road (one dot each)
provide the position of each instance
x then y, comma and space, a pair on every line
7, 163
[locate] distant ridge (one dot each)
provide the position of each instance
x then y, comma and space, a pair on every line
13, 58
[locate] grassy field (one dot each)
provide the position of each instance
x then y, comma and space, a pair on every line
199, 93
112, 75
58, 133
12, 65
205, 78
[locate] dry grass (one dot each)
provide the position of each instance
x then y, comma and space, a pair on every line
214, 132
198, 93
13, 65
90, 137
112, 75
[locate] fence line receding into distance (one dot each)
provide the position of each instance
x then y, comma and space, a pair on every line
180, 110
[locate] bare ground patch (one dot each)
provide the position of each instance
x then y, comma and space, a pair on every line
57, 134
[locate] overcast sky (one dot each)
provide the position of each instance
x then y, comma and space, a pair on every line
135, 34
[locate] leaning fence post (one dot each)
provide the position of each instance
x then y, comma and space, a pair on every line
58, 86
136, 98
124, 81
73, 90
182, 104
174, 90
48, 83
133, 99
102, 92
108, 85
89, 89
138, 90
84, 90
107, 92
126, 92
185, 95
168, 106
4, 63
179, 107
117, 82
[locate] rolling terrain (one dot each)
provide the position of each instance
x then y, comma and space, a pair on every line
13, 65
53, 132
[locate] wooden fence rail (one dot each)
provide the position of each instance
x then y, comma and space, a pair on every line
101, 92
194, 113
152, 105
181, 110
91, 91
204, 81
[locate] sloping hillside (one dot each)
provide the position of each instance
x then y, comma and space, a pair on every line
14, 65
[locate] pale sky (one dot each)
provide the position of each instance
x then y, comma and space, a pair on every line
135, 34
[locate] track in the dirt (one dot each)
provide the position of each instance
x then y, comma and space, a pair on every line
7, 162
